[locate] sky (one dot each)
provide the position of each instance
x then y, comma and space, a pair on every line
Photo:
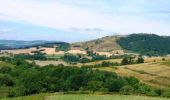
80, 20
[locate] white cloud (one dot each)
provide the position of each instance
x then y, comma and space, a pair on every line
57, 15
5, 30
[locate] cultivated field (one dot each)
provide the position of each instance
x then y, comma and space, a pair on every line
44, 63
155, 74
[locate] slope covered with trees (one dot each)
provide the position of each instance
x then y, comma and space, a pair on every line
146, 44
26, 79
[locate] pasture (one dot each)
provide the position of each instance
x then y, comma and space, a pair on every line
84, 97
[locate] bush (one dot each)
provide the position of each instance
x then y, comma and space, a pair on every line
140, 60
166, 93
6, 80
5, 69
126, 90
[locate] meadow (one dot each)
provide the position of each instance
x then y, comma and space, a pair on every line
83, 97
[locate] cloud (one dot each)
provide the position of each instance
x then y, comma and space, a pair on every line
5, 31
86, 17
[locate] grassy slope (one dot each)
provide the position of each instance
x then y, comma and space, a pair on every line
84, 97
103, 44
154, 74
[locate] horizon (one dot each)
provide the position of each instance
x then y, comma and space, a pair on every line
74, 21
83, 40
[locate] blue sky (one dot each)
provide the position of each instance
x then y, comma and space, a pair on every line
79, 20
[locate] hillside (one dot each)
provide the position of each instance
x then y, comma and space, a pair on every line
105, 44
147, 44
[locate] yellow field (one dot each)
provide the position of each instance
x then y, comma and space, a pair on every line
154, 74
99, 62
44, 63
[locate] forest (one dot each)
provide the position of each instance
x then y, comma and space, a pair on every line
25, 78
146, 44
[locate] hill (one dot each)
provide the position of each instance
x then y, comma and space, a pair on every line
15, 44
105, 44
147, 44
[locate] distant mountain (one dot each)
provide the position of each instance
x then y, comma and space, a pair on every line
147, 44
14, 44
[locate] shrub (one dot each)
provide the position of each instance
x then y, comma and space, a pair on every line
126, 90
140, 60
6, 80
166, 93
5, 69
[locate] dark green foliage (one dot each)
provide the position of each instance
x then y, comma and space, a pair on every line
103, 64
6, 80
36, 56
63, 47
71, 58
127, 61
140, 60
131, 60
5, 69
126, 90
98, 57
166, 93
27, 79
146, 44
85, 60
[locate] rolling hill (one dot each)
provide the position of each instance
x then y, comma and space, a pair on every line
15, 44
105, 44
146, 44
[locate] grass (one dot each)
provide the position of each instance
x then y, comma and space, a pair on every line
3, 64
83, 97
167, 63
100, 97
32, 97
44, 63
55, 56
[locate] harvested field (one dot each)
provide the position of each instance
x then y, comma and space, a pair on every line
154, 74
44, 63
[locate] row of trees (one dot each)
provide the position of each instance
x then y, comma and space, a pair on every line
131, 60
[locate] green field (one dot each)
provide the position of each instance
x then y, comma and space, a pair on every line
84, 97
4, 64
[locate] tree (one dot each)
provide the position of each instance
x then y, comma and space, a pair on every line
125, 61
140, 60
5, 69
127, 89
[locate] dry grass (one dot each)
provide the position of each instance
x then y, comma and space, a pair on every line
105, 44
99, 62
154, 74
44, 63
